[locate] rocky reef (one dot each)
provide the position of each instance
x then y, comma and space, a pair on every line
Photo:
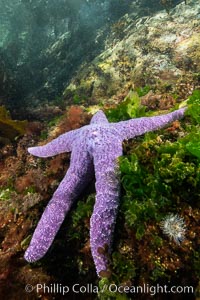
160, 50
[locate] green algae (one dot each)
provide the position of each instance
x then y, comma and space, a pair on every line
154, 172
5, 194
130, 108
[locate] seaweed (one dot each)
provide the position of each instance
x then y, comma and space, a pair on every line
9, 128
129, 108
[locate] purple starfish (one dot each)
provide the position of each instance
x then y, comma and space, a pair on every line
95, 149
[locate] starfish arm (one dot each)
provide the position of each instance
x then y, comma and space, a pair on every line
99, 117
134, 127
102, 222
78, 175
61, 144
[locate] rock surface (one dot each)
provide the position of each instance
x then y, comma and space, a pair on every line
162, 51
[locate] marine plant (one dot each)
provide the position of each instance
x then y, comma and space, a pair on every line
10, 128
130, 107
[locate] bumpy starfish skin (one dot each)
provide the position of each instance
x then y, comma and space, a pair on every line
95, 149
